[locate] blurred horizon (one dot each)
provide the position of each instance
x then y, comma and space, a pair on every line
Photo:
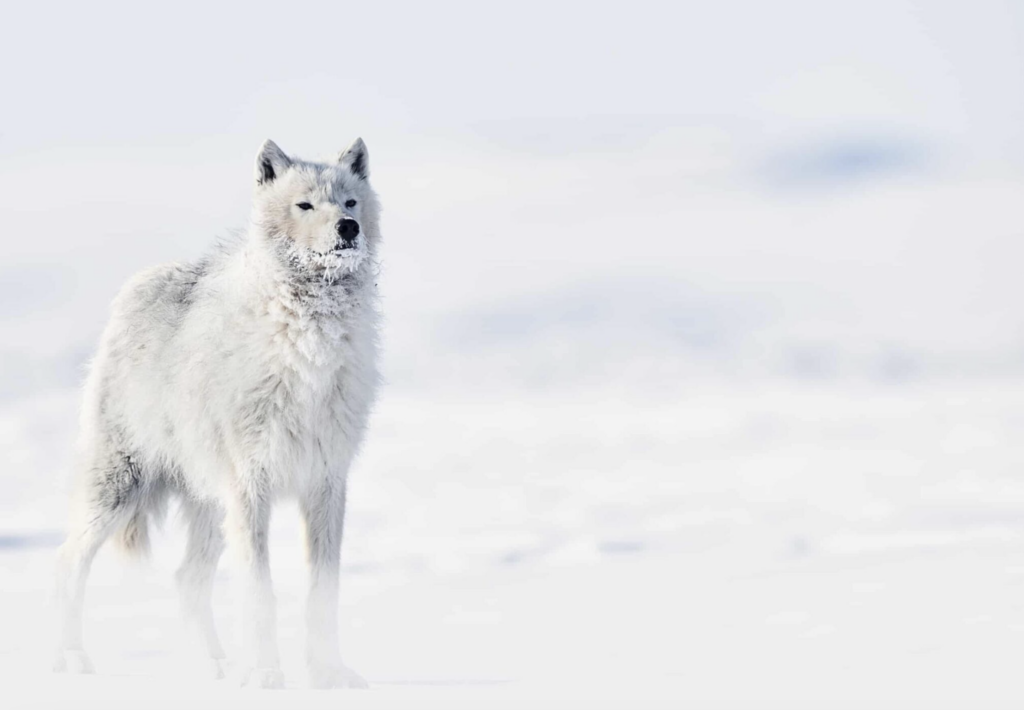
839, 200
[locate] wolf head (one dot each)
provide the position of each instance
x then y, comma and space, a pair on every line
321, 216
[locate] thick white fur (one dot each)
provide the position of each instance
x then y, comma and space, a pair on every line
230, 382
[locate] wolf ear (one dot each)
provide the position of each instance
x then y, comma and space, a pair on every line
271, 161
356, 158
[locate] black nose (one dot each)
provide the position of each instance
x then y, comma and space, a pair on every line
348, 230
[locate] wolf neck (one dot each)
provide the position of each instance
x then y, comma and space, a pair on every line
310, 316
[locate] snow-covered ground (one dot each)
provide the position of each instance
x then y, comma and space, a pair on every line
734, 444
704, 344
763, 546
760, 449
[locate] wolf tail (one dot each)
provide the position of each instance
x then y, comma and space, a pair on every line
133, 539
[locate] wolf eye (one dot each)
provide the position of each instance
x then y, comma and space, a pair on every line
304, 206
350, 203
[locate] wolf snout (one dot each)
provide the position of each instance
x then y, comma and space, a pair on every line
348, 230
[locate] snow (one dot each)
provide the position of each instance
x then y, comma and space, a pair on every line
724, 474
784, 546
671, 477
789, 633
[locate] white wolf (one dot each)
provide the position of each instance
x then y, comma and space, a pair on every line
231, 381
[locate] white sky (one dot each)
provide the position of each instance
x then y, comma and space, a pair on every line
529, 149
123, 73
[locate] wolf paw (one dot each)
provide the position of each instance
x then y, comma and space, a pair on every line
72, 661
263, 678
335, 676
218, 668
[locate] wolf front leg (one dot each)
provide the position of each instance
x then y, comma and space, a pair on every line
248, 521
323, 510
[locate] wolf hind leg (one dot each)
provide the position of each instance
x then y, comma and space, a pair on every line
109, 498
195, 579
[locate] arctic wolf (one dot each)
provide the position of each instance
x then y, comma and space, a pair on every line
229, 382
